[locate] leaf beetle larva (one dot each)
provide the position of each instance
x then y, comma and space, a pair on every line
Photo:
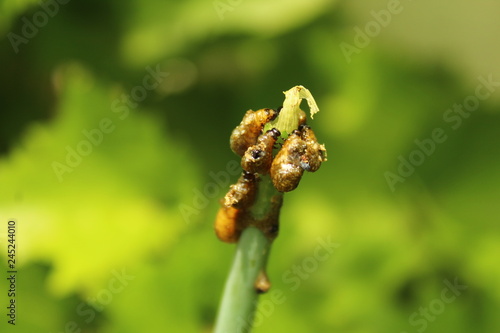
227, 226
258, 158
242, 194
315, 153
286, 171
232, 215
246, 133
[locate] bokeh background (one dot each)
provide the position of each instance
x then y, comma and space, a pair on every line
121, 238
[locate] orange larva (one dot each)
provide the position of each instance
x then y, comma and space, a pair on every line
315, 153
258, 158
247, 132
286, 170
242, 194
226, 225
232, 216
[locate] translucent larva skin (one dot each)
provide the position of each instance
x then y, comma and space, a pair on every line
232, 215
315, 153
258, 158
242, 194
226, 225
247, 132
286, 171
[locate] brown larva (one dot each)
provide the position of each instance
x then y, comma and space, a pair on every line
258, 158
286, 171
228, 224
315, 153
247, 132
242, 194
232, 215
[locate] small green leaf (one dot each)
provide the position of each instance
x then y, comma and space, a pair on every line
288, 118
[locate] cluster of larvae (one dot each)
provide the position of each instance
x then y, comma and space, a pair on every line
300, 151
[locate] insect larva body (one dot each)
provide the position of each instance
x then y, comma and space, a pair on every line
258, 158
247, 132
242, 194
232, 215
286, 171
227, 226
315, 153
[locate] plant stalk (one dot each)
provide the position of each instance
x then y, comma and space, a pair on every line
240, 298
247, 276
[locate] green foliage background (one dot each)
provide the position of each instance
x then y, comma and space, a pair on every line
119, 210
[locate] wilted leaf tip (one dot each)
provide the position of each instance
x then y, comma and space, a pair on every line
288, 118
304, 93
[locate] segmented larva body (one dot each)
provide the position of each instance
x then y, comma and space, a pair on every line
258, 158
226, 225
247, 132
315, 153
242, 194
232, 215
286, 171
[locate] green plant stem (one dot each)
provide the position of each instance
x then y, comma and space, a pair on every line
262, 204
240, 298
